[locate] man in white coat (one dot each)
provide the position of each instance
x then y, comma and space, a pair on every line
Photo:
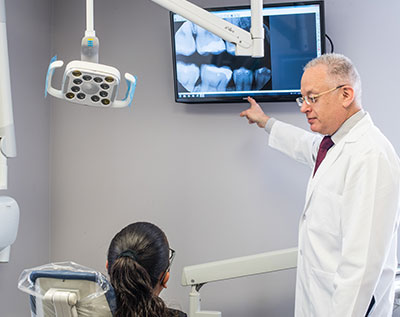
348, 230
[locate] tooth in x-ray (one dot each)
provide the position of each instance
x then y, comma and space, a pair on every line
262, 76
207, 42
243, 78
184, 40
187, 75
214, 78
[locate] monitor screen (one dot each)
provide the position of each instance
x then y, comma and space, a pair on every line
207, 70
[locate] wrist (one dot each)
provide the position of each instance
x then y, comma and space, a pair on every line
263, 122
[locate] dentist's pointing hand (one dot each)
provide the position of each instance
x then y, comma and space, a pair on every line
255, 114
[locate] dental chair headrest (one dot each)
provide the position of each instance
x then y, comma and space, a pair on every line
69, 289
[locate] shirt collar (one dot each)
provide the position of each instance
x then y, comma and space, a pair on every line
347, 126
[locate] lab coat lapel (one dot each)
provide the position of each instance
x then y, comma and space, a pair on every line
333, 154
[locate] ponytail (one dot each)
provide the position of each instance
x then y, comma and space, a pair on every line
134, 292
129, 275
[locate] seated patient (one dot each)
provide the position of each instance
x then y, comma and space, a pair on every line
138, 262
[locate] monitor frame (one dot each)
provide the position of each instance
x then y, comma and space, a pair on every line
283, 97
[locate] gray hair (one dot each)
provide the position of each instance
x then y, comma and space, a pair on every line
342, 70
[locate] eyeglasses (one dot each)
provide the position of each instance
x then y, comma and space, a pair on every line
171, 259
310, 100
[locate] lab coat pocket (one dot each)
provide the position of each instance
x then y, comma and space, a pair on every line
321, 290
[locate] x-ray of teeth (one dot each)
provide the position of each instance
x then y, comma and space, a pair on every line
184, 39
214, 78
243, 78
207, 63
191, 37
207, 68
262, 76
207, 42
187, 74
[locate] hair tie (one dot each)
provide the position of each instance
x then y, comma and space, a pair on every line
128, 253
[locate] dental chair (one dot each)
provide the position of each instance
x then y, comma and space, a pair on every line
67, 289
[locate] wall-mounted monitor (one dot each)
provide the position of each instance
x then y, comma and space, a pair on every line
207, 70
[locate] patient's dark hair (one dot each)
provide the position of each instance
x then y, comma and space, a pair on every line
137, 257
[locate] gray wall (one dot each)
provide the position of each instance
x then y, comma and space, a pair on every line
198, 171
28, 26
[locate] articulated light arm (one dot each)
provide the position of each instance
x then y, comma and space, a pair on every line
247, 43
90, 42
7, 134
239, 267
198, 275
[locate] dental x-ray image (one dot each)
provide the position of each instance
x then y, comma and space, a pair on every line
207, 69
206, 63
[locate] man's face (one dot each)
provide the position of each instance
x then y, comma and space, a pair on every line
327, 114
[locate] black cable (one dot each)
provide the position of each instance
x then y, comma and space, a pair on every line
330, 41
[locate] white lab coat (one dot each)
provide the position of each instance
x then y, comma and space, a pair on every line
348, 229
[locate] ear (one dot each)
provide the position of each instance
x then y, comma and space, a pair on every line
347, 96
107, 265
165, 281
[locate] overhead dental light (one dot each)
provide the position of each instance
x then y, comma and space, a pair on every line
9, 210
86, 81
89, 83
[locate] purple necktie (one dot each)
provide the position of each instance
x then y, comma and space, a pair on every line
325, 145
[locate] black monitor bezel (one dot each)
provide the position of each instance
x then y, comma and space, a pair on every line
236, 99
